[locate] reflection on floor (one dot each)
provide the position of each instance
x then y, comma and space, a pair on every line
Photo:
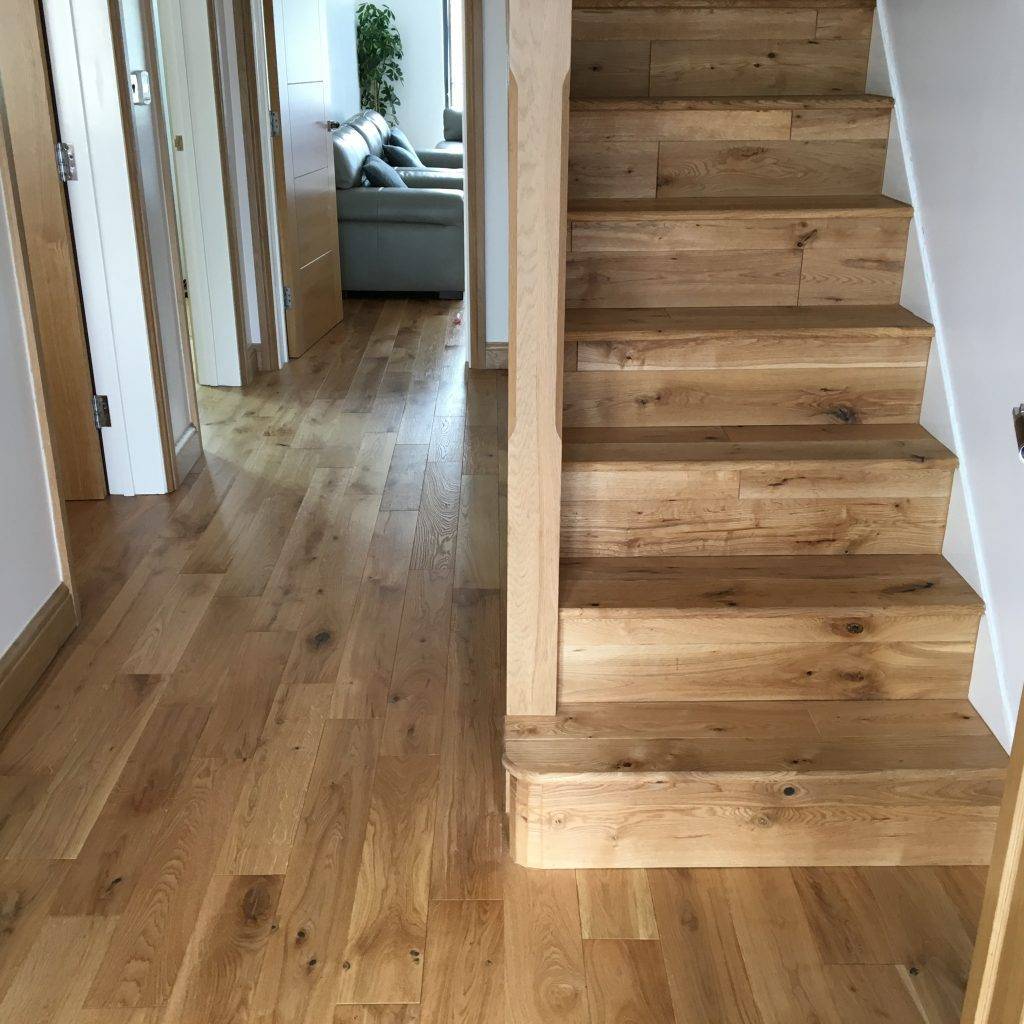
262, 784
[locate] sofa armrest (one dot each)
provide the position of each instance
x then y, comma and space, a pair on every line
440, 157
432, 177
444, 207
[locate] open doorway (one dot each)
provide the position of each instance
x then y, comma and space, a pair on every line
377, 155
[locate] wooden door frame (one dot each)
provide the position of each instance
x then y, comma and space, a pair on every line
473, 145
176, 461
278, 184
245, 50
254, 62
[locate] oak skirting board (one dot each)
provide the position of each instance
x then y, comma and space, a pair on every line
28, 657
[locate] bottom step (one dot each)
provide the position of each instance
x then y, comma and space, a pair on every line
753, 784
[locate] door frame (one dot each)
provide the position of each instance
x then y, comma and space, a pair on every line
179, 455
473, 146
257, 72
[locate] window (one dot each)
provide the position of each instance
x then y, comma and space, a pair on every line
454, 55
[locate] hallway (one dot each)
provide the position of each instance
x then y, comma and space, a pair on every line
262, 783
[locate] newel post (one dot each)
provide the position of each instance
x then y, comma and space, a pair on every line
995, 990
539, 46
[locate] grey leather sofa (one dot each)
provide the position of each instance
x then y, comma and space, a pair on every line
375, 130
452, 142
396, 239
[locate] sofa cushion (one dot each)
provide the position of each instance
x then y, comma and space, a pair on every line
452, 125
350, 152
381, 175
397, 156
369, 127
396, 137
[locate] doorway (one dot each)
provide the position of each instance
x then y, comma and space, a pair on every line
322, 131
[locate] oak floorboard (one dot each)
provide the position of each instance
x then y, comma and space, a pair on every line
387, 934
216, 981
626, 981
466, 979
544, 967
616, 904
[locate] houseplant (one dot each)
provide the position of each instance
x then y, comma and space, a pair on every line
379, 53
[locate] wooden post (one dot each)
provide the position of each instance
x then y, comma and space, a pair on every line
539, 37
995, 991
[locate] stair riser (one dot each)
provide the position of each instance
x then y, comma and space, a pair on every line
804, 626
661, 153
719, 52
744, 482
764, 671
754, 527
648, 170
669, 398
721, 821
740, 261
705, 381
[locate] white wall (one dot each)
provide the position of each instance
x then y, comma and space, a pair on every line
341, 40
421, 25
956, 155
28, 544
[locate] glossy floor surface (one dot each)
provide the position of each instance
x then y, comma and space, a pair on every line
262, 783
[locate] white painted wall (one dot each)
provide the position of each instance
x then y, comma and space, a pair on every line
421, 24
955, 72
28, 543
343, 100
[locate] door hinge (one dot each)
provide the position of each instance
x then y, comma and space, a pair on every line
67, 169
184, 286
100, 411
275, 124
289, 299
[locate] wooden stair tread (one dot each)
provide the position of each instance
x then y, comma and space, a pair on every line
638, 446
642, 104
624, 587
680, 322
763, 738
738, 207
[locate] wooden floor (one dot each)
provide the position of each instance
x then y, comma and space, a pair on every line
262, 783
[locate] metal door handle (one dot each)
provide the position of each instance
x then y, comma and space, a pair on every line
1018, 427
333, 125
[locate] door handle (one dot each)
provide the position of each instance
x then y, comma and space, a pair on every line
333, 125
1018, 427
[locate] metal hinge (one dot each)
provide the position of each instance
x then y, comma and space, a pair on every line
67, 169
289, 299
275, 123
100, 411
184, 286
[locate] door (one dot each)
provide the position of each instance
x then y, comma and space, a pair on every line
159, 253
307, 210
67, 375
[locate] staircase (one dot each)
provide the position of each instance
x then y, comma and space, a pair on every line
763, 658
